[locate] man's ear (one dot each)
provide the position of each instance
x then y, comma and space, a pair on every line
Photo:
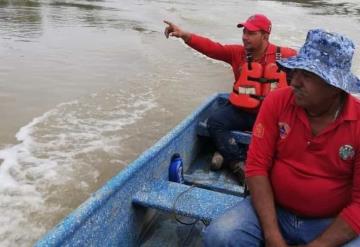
266, 36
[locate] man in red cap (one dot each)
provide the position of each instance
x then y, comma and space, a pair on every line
256, 23
255, 74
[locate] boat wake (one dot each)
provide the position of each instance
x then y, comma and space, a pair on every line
60, 159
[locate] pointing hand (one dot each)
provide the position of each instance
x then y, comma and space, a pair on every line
175, 31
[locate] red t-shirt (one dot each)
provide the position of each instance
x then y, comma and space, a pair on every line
233, 54
311, 176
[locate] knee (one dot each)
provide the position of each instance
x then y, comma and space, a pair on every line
224, 230
239, 227
217, 234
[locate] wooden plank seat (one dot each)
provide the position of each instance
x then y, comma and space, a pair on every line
185, 200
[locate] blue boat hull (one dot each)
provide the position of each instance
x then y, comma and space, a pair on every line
109, 217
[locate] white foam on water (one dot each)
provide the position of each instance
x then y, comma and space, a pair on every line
58, 152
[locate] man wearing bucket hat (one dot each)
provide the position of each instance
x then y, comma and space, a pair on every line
239, 112
303, 166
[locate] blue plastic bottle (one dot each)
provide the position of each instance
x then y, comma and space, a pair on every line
176, 169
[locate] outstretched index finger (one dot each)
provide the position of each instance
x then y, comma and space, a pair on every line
168, 22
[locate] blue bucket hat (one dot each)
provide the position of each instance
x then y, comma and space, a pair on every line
329, 56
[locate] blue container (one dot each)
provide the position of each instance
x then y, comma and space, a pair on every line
176, 173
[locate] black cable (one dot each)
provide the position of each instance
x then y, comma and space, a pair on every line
174, 208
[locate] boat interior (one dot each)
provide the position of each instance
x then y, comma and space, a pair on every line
143, 206
191, 205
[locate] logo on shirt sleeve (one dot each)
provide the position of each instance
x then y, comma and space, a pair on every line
346, 152
284, 130
259, 130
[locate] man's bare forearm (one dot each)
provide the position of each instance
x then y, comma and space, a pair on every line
263, 202
337, 234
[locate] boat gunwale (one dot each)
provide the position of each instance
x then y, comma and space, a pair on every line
73, 221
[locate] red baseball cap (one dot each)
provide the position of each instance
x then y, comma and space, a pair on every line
257, 22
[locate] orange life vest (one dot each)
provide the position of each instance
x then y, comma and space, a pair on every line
255, 82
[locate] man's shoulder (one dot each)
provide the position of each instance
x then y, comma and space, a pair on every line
283, 92
288, 52
285, 51
237, 51
281, 96
355, 104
